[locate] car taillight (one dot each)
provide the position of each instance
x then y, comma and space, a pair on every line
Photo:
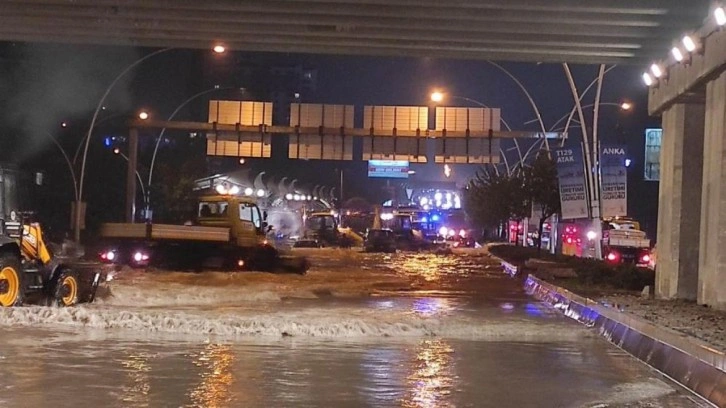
645, 258
613, 256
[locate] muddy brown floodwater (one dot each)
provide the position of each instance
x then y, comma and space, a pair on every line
359, 330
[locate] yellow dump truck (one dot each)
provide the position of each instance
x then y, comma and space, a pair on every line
229, 232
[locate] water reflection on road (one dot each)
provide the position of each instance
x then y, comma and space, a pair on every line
433, 375
217, 378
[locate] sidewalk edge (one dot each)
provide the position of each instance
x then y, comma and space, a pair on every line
685, 360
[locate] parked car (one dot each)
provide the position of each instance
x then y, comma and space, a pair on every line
380, 240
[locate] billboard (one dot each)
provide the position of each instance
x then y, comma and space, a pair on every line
571, 177
614, 181
652, 154
388, 168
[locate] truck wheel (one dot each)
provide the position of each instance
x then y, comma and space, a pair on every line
11, 281
67, 289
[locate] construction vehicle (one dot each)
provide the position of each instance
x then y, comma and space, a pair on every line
230, 232
405, 225
323, 228
29, 271
624, 242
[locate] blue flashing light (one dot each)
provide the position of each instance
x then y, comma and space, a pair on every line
424, 219
435, 217
107, 141
533, 310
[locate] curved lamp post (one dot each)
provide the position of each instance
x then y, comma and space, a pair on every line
77, 227
68, 162
147, 198
77, 215
138, 176
438, 96
529, 97
624, 106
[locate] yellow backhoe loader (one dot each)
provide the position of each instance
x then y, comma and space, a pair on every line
29, 271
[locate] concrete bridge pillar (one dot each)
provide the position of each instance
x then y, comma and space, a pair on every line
712, 265
679, 215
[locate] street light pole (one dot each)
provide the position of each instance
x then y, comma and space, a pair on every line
138, 176
529, 97
78, 214
624, 106
595, 140
438, 97
83, 141
579, 100
147, 198
594, 204
68, 162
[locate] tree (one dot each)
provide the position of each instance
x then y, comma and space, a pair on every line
542, 189
173, 196
492, 199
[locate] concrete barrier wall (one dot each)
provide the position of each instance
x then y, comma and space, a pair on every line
693, 364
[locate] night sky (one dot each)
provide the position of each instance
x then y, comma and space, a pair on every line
44, 85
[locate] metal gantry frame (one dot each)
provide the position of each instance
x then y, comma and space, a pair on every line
262, 130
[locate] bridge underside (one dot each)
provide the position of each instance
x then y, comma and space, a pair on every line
594, 31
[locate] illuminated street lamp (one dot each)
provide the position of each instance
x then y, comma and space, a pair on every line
143, 115
624, 106
147, 199
219, 49
118, 152
99, 107
689, 43
677, 54
720, 16
437, 96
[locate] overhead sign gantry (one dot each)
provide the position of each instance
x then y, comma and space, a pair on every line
326, 132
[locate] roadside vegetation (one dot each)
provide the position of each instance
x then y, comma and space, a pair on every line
581, 275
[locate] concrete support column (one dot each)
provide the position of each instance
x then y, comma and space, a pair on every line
712, 265
131, 175
679, 213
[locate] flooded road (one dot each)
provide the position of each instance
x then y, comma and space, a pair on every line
360, 330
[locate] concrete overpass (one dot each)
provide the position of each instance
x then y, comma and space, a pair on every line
691, 97
593, 31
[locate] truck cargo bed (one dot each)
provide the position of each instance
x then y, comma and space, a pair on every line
166, 232
627, 238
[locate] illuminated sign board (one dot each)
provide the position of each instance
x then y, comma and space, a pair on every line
652, 154
388, 168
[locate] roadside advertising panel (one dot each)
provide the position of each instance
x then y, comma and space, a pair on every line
614, 181
571, 176
388, 168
